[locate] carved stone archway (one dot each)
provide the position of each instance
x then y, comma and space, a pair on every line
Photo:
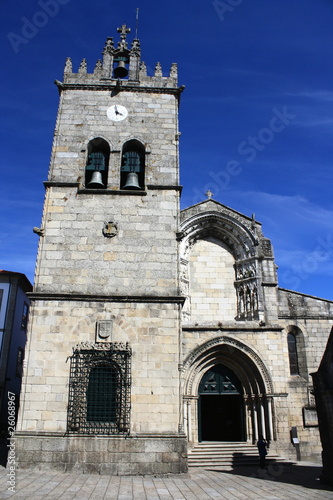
250, 370
243, 244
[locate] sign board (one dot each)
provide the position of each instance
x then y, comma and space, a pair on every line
310, 417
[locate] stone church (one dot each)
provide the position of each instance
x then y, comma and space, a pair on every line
153, 329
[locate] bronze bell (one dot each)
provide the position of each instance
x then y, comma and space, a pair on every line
120, 71
96, 180
132, 181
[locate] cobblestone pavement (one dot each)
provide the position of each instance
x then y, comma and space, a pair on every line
279, 482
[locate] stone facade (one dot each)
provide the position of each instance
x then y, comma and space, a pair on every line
142, 313
253, 341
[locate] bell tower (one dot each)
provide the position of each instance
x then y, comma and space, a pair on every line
101, 382
114, 160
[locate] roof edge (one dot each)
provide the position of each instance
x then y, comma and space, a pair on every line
305, 295
221, 205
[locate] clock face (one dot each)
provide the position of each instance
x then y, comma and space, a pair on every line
116, 113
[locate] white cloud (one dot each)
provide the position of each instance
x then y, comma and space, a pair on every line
295, 209
315, 122
302, 237
318, 95
317, 261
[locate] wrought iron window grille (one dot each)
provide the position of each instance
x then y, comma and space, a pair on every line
99, 389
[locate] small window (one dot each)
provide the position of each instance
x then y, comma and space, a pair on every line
293, 356
132, 175
19, 362
25, 313
96, 176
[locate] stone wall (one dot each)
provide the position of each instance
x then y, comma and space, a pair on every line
151, 329
75, 256
101, 454
212, 277
298, 305
152, 119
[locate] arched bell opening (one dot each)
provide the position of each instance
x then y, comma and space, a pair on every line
132, 171
120, 69
227, 393
96, 172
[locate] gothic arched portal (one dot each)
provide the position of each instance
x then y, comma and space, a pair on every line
228, 393
221, 406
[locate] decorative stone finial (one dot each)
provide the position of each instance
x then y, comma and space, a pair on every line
158, 69
98, 67
83, 66
143, 69
253, 221
209, 194
68, 66
108, 49
135, 46
174, 70
108, 56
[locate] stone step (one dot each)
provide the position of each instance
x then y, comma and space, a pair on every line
227, 454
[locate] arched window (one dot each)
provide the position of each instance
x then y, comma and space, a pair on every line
132, 171
96, 175
99, 389
293, 356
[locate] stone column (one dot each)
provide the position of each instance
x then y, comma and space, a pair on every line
248, 412
255, 421
189, 421
262, 417
270, 419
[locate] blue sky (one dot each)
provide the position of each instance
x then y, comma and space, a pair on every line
256, 116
